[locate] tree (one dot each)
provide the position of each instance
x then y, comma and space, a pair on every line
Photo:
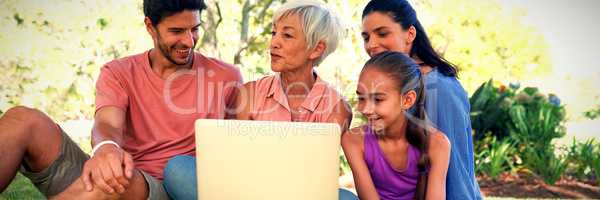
50, 59
484, 40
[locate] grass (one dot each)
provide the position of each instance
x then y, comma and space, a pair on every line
21, 188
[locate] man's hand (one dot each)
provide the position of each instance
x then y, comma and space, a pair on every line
110, 168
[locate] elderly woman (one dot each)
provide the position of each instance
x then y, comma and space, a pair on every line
304, 34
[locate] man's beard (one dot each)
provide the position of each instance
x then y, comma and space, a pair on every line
167, 54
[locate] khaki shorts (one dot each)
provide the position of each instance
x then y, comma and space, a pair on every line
67, 168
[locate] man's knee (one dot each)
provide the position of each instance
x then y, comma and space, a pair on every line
76, 190
18, 111
139, 188
25, 115
136, 190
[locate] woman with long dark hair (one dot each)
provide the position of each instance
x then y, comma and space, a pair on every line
392, 25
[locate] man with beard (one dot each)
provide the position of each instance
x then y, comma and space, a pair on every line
146, 105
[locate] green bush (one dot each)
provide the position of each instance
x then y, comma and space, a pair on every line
596, 166
536, 122
344, 164
581, 156
495, 159
489, 108
503, 111
545, 163
527, 118
584, 159
593, 113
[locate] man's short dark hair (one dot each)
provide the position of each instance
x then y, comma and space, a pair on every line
157, 10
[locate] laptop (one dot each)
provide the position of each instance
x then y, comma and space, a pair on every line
264, 160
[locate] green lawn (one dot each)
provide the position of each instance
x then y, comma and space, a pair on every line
21, 188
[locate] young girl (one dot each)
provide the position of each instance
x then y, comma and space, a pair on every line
392, 25
396, 155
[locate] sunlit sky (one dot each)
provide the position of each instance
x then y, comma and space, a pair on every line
572, 30
571, 27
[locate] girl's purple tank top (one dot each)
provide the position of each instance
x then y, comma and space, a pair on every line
389, 182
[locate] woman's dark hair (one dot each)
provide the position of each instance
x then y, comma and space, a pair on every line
404, 14
157, 10
407, 75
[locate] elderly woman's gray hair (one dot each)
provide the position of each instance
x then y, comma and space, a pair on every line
318, 21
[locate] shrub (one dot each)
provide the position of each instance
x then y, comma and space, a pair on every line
536, 122
593, 113
527, 118
596, 166
545, 163
344, 165
581, 156
584, 159
489, 110
495, 159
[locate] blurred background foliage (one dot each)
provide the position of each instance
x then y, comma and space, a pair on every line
51, 51
517, 129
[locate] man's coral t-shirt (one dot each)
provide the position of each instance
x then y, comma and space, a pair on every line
160, 113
